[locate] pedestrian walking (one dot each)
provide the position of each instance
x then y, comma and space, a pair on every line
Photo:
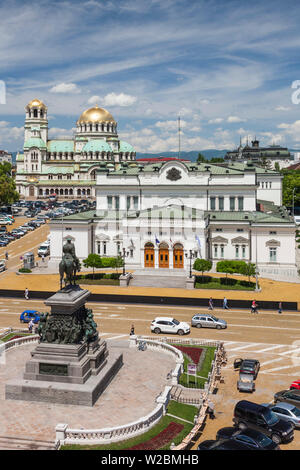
43, 258
210, 410
30, 326
6, 255
254, 307
210, 304
26, 294
280, 307
132, 330
225, 303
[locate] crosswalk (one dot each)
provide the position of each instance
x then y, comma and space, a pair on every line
284, 357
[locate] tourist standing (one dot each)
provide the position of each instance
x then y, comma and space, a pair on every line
210, 409
280, 307
26, 294
210, 304
30, 326
132, 330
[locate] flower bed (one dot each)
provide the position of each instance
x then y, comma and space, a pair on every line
162, 439
193, 353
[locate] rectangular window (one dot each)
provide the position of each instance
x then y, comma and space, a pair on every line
237, 251
243, 251
118, 248
222, 251
273, 254
221, 203
128, 202
241, 203
104, 248
98, 248
212, 203
232, 203
135, 202
215, 251
109, 202
117, 203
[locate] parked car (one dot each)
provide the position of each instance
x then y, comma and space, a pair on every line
224, 444
28, 315
44, 250
250, 437
246, 383
286, 411
252, 415
169, 325
208, 321
5, 222
288, 396
247, 366
295, 385
2, 265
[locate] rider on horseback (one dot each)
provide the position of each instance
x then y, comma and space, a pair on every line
69, 264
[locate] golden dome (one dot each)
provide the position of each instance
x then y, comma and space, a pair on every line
96, 114
36, 103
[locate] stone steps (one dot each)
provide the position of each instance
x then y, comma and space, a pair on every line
16, 443
178, 282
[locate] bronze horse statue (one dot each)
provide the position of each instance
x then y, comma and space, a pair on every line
69, 264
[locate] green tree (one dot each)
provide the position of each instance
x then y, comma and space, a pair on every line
93, 261
8, 192
230, 267
217, 160
248, 269
202, 265
277, 167
117, 263
201, 158
291, 180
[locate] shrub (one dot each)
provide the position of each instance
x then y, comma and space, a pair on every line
25, 270
202, 265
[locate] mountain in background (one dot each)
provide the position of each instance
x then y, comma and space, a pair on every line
192, 155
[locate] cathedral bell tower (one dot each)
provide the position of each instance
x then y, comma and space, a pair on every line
36, 120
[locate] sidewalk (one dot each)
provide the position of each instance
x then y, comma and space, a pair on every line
271, 290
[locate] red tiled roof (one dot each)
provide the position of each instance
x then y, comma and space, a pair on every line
296, 166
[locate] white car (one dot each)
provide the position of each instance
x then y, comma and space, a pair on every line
169, 325
43, 250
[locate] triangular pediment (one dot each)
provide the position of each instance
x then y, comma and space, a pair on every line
219, 240
240, 240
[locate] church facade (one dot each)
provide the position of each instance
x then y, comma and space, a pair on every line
67, 167
160, 215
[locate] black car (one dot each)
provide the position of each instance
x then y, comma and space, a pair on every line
224, 444
250, 437
247, 366
288, 396
252, 415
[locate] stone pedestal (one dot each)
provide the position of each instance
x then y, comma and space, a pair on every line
62, 372
190, 282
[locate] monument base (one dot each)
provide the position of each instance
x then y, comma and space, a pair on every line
71, 393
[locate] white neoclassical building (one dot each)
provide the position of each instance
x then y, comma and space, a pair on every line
161, 213
67, 167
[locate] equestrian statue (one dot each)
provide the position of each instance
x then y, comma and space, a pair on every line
69, 264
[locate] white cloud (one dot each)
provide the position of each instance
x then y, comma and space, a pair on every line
215, 121
292, 130
170, 125
235, 119
65, 88
112, 99
55, 132
282, 108
95, 99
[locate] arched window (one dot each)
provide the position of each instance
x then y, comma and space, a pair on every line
35, 113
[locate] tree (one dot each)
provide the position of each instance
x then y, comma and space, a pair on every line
8, 193
201, 158
248, 269
202, 265
117, 262
230, 267
93, 261
277, 167
217, 160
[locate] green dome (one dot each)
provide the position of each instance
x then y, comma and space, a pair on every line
35, 142
125, 147
97, 146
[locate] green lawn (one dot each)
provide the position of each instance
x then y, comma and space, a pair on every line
105, 282
206, 366
184, 411
223, 283
10, 335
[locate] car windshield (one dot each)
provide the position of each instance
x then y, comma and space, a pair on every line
214, 318
247, 366
270, 417
176, 322
263, 440
296, 412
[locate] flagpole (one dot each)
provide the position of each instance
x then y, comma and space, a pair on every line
178, 136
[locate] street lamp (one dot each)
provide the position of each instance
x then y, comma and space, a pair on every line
256, 270
124, 256
190, 258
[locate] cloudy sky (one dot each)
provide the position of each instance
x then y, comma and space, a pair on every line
227, 68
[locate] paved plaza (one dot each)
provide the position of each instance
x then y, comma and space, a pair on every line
130, 396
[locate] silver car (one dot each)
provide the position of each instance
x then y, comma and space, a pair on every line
246, 383
286, 411
207, 320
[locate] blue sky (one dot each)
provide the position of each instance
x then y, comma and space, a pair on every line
226, 67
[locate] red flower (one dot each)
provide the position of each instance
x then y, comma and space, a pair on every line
161, 439
193, 353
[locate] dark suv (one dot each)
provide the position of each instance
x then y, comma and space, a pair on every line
254, 416
247, 366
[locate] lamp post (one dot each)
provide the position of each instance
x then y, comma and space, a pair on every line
190, 258
256, 270
124, 256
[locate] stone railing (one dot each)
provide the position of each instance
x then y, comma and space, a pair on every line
65, 435
19, 341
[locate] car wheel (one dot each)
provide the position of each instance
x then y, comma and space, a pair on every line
276, 438
242, 426
199, 325
218, 327
180, 332
156, 331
